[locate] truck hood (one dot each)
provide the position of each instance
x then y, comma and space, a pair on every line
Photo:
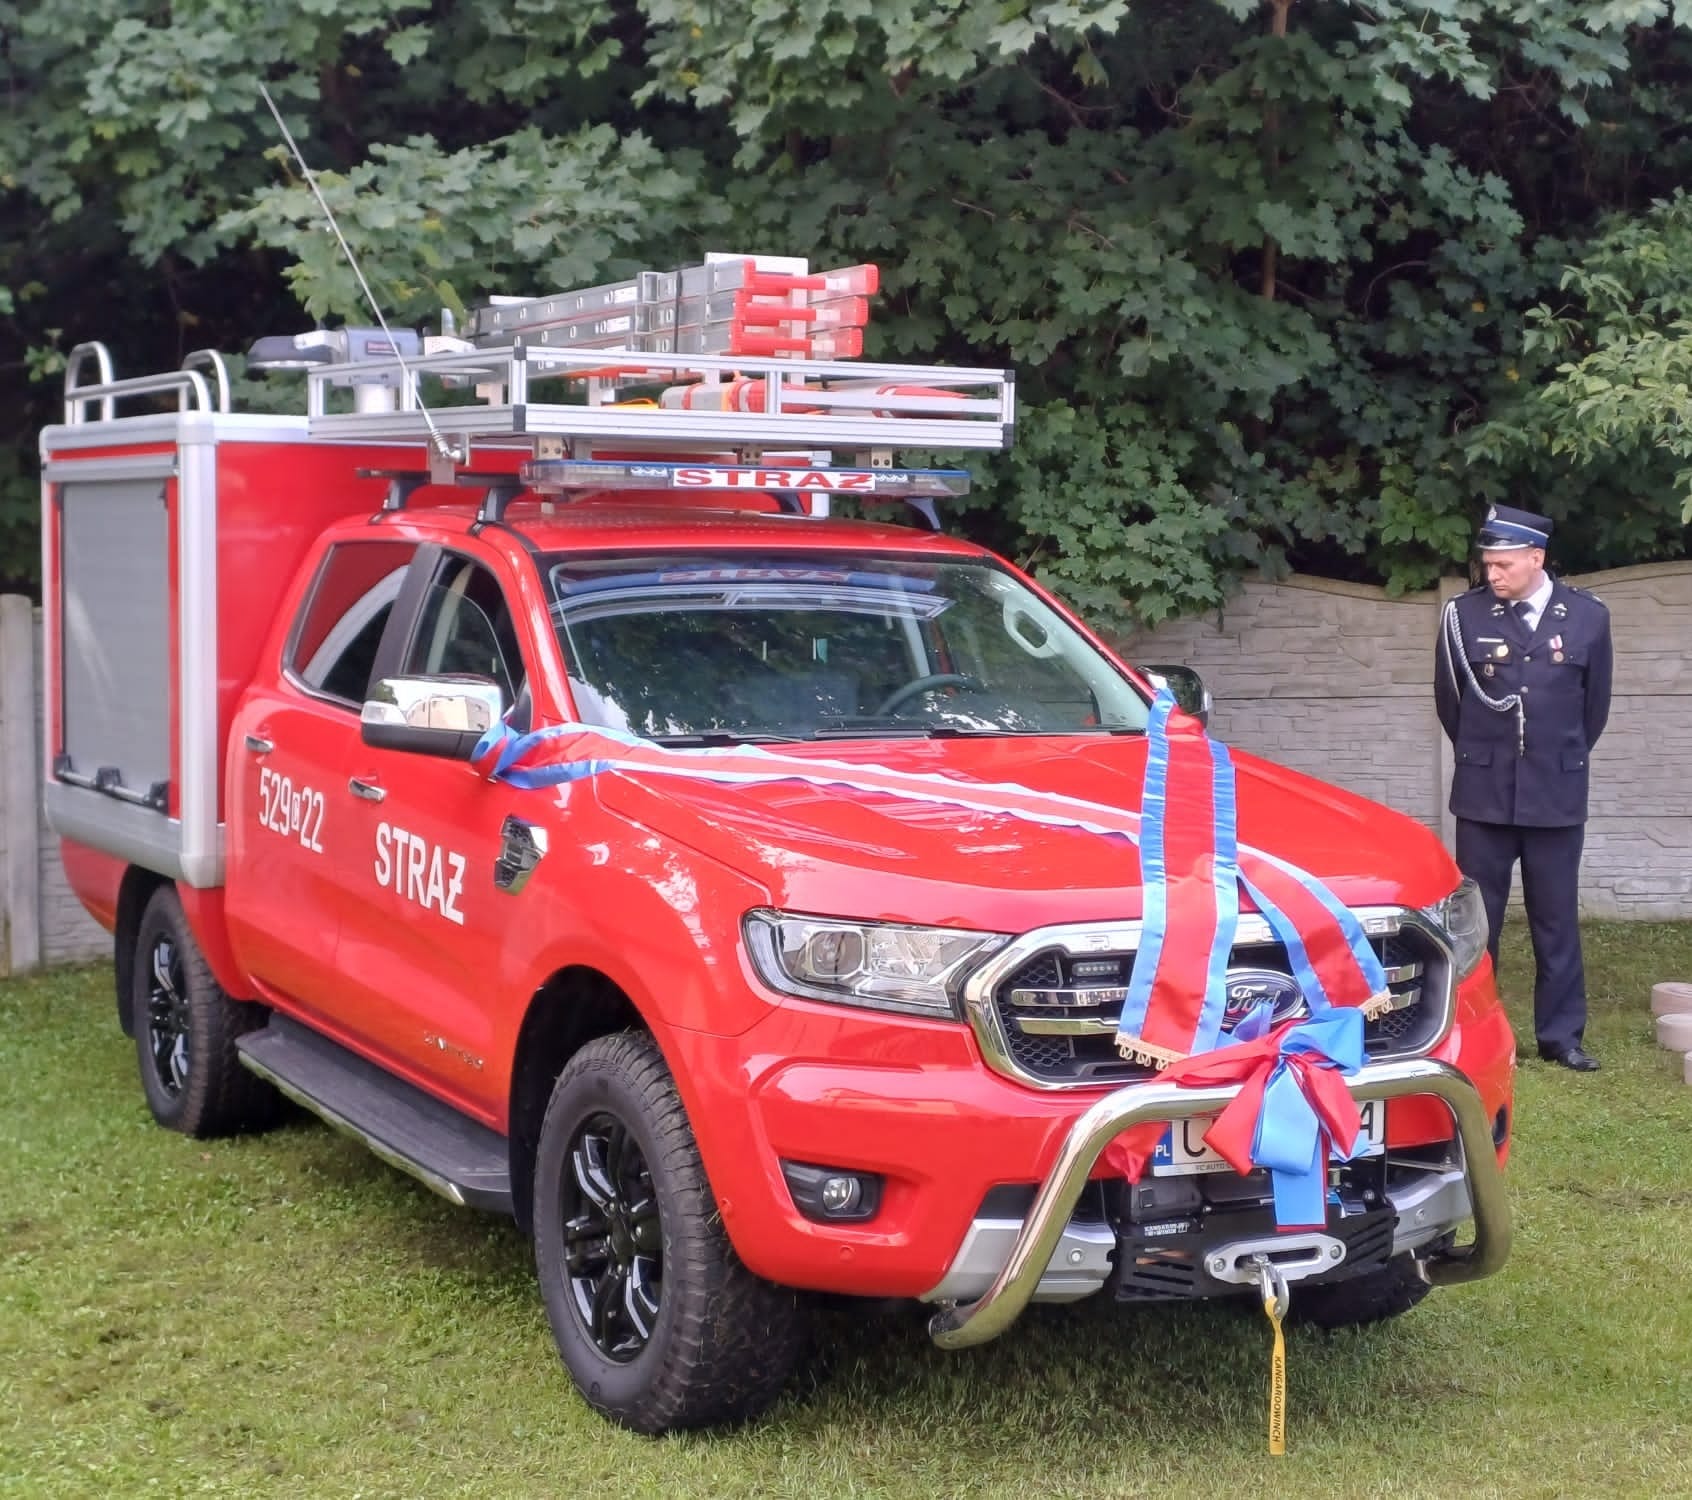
832, 850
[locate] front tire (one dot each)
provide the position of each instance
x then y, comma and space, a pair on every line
185, 1031
659, 1324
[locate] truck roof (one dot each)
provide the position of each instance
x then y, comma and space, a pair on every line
591, 526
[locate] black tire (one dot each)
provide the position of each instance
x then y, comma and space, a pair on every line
1371, 1298
659, 1324
185, 1031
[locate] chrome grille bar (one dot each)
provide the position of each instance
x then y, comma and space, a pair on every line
1069, 1025
1106, 1025
1028, 1019
1114, 994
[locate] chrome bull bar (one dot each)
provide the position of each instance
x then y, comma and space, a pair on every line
963, 1324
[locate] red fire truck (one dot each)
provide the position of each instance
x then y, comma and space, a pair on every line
757, 991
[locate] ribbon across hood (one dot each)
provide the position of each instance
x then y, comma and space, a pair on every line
1192, 870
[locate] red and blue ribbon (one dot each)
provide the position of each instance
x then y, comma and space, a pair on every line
1189, 870
1304, 1116
1192, 867
1292, 1114
1298, 1111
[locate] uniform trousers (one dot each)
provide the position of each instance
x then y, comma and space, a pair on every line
1550, 859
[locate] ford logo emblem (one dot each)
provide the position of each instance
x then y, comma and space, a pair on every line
1251, 990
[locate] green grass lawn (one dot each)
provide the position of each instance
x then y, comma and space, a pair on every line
285, 1316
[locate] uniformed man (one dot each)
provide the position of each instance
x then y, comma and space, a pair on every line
1522, 683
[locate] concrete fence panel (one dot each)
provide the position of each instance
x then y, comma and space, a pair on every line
44, 922
1337, 679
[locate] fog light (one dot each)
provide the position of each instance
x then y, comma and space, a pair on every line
832, 1194
1095, 968
839, 1195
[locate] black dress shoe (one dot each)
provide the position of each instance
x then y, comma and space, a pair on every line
1576, 1058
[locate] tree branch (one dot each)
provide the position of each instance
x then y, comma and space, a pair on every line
1271, 153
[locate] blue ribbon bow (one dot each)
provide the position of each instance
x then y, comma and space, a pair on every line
1291, 1139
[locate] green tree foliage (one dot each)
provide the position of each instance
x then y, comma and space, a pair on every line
1267, 269
1618, 398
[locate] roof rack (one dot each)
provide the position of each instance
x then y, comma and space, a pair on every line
774, 401
729, 368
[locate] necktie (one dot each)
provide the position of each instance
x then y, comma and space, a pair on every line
1520, 610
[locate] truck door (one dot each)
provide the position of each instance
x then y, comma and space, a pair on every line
430, 944
289, 745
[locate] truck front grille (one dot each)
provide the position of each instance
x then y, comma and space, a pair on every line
1046, 1008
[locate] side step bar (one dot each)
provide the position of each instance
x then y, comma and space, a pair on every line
464, 1162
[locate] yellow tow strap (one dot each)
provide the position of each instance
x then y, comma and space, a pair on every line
1275, 1299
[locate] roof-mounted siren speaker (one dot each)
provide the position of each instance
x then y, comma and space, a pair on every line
376, 357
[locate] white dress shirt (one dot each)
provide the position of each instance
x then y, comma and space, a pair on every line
1536, 602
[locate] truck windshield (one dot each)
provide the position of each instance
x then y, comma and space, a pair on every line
824, 645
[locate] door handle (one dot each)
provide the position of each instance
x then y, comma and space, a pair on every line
259, 745
367, 790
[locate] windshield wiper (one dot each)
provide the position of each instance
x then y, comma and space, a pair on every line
716, 738
874, 731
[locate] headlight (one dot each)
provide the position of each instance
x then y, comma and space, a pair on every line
1463, 916
874, 964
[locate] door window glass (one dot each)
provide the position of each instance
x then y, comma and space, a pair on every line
334, 646
466, 628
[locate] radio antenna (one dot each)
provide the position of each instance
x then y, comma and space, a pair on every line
442, 446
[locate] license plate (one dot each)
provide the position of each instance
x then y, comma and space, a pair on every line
1182, 1150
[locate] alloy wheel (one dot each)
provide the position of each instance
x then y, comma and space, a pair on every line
167, 1018
613, 1238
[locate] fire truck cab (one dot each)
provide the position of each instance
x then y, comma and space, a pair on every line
716, 1038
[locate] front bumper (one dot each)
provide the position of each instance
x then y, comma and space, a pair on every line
1049, 1248
955, 1142
1425, 1203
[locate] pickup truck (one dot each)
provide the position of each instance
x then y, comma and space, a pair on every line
716, 1039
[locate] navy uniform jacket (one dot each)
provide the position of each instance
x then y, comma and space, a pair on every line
1562, 673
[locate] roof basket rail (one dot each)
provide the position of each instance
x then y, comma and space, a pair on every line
577, 398
187, 384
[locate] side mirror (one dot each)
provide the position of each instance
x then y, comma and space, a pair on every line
430, 715
1191, 695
